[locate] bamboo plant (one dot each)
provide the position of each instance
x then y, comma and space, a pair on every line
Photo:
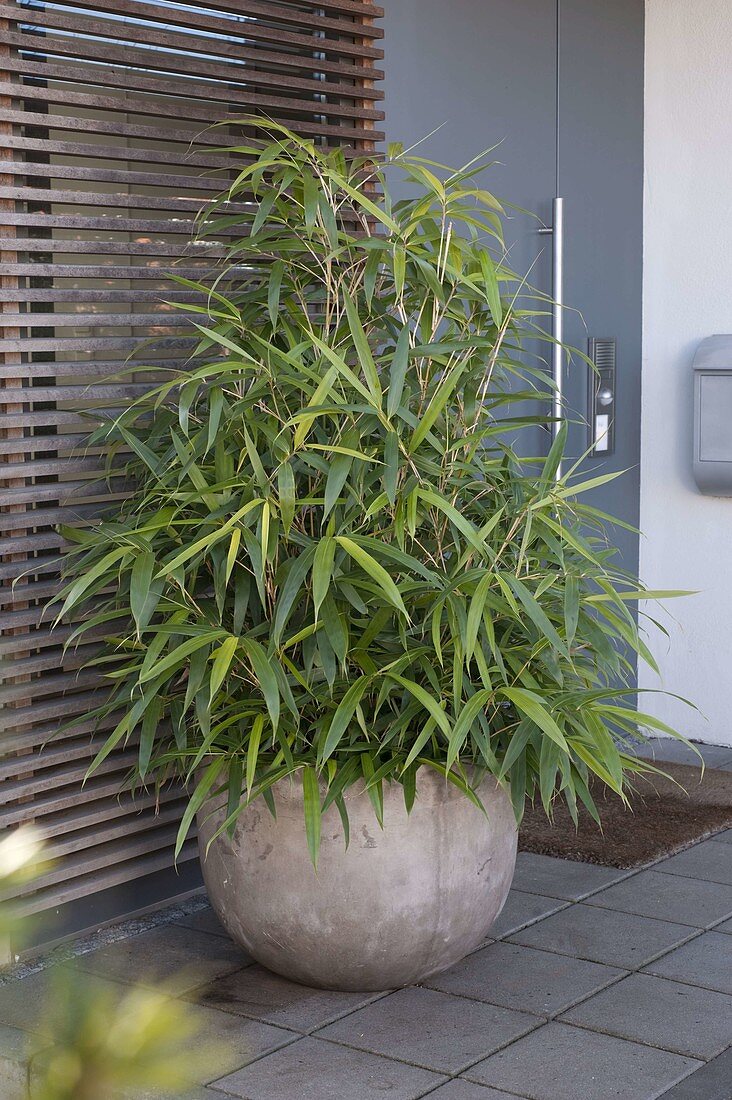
334, 562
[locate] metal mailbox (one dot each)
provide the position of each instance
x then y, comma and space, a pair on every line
713, 416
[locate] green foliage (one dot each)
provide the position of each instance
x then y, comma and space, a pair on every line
20, 860
334, 562
96, 1041
101, 1042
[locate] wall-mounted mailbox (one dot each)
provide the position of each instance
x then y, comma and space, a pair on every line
713, 416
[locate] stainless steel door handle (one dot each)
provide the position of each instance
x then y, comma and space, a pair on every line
556, 232
558, 313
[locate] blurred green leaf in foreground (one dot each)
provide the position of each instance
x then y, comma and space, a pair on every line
95, 1041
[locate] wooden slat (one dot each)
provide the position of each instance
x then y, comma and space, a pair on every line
100, 174
190, 204
106, 156
153, 30
144, 835
49, 638
70, 828
197, 158
95, 320
275, 14
103, 880
50, 732
339, 7
187, 66
87, 294
147, 271
188, 109
50, 758
111, 248
98, 788
68, 773
100, 368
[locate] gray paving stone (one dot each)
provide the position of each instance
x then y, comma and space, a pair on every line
313, 1069
725, 927
24, 1003
680, 1018
695, 902
521, 909
205, 920
13, 1080
202, 1094
28, 1003
711, 1082
16, 1048
262, 995
560, 878
15, 1045
177, 958
234, 1041
523, 979
431, 1029
560, 1061
459, 1089
195, 1094
603, 935
705, 961
723, 838
709, 860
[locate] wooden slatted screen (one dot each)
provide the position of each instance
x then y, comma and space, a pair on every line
99, 184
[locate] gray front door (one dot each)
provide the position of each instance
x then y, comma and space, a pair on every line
600, 141
559, 84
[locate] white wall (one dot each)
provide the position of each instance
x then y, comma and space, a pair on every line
687, 295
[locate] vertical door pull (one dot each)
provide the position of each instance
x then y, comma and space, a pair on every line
556, 232
558, 315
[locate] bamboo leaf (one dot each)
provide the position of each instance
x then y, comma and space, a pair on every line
375, 571
274, 288
322, 570
365, 357
199, 795
444, 390
255, 737
234, 543
398, 372
338, 473
265, 678
311, 805
286, 492
222, 661
206, 542
290, 590
571, 606
490, 281
531, 704
140, 581
341, 719
426, 700
177, 657
148, 729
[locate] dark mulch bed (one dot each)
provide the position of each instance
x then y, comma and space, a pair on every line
663, 819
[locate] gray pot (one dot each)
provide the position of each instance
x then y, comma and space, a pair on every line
395, 906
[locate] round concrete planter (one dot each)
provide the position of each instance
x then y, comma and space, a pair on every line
395, 906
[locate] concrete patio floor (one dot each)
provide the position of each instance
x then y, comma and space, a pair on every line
595, 984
